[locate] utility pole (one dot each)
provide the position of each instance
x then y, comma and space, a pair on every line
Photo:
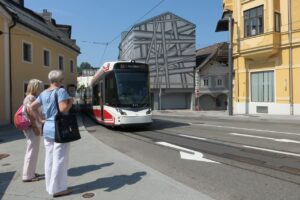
226, 24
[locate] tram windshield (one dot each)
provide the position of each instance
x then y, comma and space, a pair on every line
132, 88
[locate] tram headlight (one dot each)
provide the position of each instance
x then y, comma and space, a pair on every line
121, 111
148, 112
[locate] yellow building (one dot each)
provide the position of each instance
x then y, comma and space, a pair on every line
31, 45
266, 49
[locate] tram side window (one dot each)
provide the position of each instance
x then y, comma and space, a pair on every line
111, 97
96, 96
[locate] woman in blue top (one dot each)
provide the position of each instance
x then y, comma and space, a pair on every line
57, 154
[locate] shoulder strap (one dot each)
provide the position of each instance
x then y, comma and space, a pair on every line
56, 101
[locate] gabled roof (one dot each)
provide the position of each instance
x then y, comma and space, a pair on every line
37, 23
152, 19
206, 54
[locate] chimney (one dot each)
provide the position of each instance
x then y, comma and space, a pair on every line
20, 2
46, 15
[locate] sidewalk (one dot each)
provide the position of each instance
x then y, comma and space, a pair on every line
94, 168
224, 115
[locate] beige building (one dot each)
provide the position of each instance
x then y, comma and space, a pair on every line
266, 49
31, 45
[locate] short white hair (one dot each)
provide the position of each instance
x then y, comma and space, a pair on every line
55, 76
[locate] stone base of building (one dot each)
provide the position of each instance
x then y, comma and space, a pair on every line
264, 108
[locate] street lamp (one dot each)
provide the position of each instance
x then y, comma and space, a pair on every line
225, 24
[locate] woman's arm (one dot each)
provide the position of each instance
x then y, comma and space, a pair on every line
34, 116
34, 106
33, 109
65, 105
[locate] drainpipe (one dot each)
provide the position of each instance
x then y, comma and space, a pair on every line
230, 66
10, 73
290, 58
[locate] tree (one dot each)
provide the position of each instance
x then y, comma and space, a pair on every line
84, 65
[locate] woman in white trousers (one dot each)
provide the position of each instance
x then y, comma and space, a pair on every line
56, 154
32, 134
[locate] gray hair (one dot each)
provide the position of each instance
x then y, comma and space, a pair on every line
55, 76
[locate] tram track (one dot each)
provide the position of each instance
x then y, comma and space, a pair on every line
287, 164
280, 166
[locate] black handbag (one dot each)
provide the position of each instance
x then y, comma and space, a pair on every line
66, 127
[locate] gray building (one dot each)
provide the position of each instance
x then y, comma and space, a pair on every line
211, 77
167, 43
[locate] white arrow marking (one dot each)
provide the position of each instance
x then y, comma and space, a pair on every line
267, 138
192, 155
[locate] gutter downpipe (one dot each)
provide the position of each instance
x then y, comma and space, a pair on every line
230, 65
290, 58
10, 71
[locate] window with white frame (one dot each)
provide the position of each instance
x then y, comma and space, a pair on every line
262, 86
205, 82
46, 55
27, 52
220, 82
61, 62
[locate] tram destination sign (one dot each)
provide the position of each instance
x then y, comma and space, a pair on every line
139, 66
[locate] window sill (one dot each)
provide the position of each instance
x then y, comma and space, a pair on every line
246, 1
27, 62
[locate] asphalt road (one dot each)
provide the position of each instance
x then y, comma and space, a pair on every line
226, 159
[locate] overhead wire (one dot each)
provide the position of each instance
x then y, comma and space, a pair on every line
129, 27
107, 44
138, 20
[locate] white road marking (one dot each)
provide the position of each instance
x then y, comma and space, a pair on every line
274, 151
246, 129
192, 155
193, 137
245, 146
267, 138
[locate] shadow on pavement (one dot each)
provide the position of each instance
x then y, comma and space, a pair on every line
9, 133
78, 171
109, 183
5, 179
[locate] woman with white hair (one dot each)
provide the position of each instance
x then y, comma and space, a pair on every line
34, 88
57, 154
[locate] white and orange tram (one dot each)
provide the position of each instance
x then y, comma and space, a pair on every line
121, 94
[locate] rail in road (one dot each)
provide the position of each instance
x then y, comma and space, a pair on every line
282, 161
171, 135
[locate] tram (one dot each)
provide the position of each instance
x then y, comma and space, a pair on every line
121, 94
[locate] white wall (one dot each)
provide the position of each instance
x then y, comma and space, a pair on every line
273, 108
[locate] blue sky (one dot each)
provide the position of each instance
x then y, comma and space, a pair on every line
102, 21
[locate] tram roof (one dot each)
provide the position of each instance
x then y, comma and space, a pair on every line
106, 67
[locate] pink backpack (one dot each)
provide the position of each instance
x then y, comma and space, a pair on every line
21, 119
